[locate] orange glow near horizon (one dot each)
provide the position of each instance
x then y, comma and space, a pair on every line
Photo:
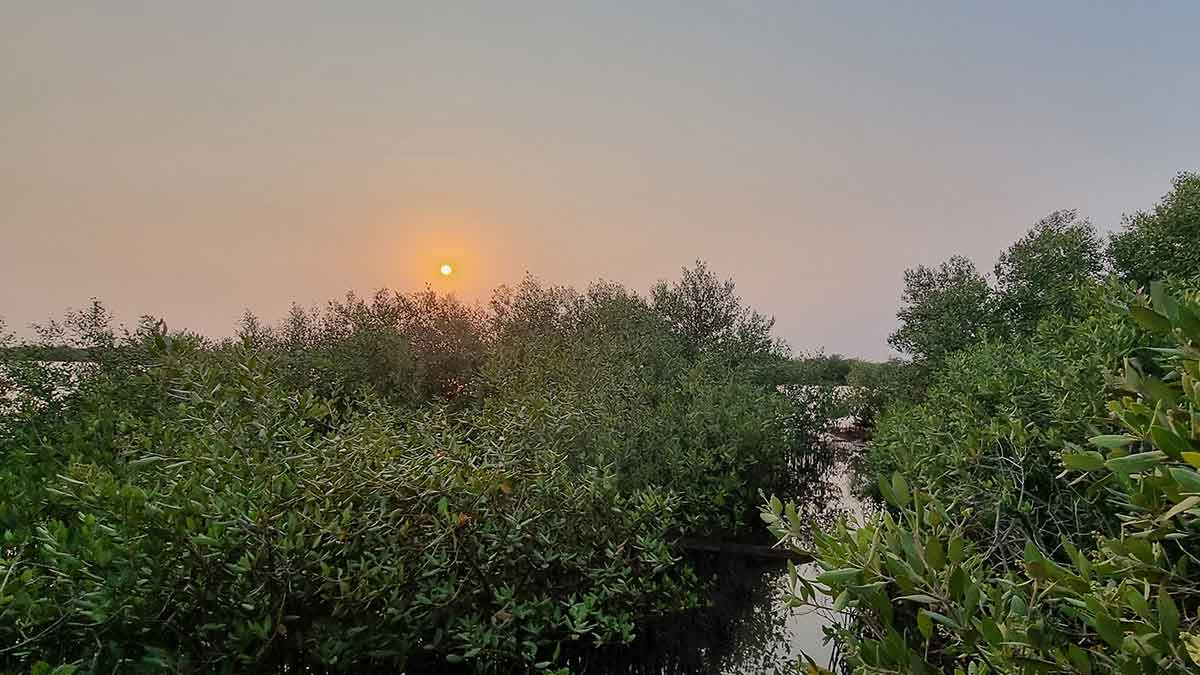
443, 248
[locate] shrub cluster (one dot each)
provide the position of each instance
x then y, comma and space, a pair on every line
399, 482
1113, 588
1039, 482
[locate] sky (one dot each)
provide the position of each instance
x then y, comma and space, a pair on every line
193, 160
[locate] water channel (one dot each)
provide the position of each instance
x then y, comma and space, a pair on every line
747, 628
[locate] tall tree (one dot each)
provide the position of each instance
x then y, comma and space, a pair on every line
706, 312
1165, 242
944, 310
1039, 274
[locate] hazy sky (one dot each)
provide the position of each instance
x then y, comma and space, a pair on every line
190, 160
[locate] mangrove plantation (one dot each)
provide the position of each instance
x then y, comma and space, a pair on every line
412, 483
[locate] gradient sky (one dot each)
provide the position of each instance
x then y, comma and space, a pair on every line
190, 160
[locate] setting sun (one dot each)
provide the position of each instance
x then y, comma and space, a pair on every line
447, 270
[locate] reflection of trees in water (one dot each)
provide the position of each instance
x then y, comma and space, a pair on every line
739, 633
745, 629
814, 480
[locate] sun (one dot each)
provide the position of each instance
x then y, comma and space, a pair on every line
447, 269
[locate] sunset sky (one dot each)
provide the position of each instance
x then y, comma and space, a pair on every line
191, 160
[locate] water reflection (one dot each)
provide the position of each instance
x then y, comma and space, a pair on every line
747, 628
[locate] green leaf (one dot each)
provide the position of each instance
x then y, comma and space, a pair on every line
1168, 616
991, 632
1083, 461
921, 598
1150, 320
1138, 603
956, 549
900, 489
972, 597
838, 576
935, 556
1189, 323
1188, 480
1079, 659
885, 489
1108, 628
1156, 390
958, 582
943, 619
1108, 442
1169, 442
925, 624
1158, 297
1139, 462
842, 600
1186, 504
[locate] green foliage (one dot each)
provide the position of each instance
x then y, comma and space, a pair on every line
41, 353
995, 417
241, 522
819, 369
608, 368
1161, 244
408, 349
381, 484
708, 316
877, 386
945, 310
1037, 277
1116, 591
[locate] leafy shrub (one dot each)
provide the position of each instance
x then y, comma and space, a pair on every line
877, 386
945, 309
929, 592
409, 349
818, 368
708, 316
620, 389
240, 524
1037, 276
987, 435
378, 485
1161, 244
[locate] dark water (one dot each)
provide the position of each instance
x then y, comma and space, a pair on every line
747, 628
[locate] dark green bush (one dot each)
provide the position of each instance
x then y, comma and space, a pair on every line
379, 485
877, 386
930, 592
1161, 244
988, 433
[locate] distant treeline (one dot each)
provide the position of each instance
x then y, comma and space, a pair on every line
826, 369
43, 353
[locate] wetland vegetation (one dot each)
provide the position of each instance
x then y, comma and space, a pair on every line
408, 483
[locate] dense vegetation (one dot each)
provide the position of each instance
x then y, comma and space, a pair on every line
408, 482
1040, 480
399, 481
